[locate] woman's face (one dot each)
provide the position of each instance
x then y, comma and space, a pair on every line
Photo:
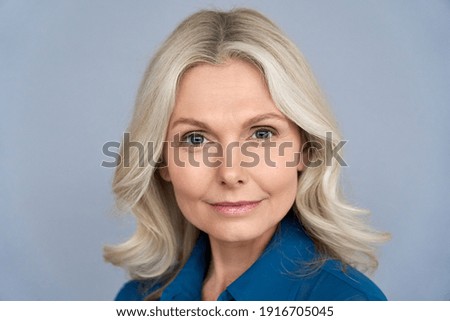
232, 156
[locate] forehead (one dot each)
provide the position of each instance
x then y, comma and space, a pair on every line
230, 87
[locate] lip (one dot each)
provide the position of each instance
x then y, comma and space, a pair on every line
235, 208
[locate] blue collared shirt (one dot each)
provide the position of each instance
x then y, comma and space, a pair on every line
281, 273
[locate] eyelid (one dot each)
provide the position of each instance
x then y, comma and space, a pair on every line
268, 128
264, 127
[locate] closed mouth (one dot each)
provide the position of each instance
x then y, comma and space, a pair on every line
235, 208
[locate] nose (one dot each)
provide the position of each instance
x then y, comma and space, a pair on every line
230, 172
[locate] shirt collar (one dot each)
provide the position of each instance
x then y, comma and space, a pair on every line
269, 278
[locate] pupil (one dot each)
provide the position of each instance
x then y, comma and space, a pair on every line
262, 134
196, 139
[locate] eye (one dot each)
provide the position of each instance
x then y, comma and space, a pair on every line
194, 139
263, 133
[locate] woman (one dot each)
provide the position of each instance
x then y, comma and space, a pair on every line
243, 202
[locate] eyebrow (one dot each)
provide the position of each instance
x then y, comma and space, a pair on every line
247, 123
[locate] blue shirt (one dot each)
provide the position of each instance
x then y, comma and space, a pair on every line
279, 274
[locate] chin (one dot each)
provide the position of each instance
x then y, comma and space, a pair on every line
240, 233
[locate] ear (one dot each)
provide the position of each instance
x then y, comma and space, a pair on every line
301, 161
164, 173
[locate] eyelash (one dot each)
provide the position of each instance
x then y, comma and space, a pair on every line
195, 134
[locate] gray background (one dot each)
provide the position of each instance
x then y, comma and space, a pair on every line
69, 71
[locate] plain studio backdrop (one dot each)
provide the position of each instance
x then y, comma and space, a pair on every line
69, 72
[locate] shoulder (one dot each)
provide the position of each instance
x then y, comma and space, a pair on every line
330, 281
333, 283
135, 290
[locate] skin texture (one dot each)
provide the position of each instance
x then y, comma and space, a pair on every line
238, 206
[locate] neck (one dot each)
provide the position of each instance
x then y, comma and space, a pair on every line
229, 260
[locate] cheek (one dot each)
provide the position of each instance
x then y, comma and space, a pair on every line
186, 196
190, 185
184, 179
278, 181
189, 178
277, 170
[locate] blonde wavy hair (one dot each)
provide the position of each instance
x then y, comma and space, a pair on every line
164, 238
